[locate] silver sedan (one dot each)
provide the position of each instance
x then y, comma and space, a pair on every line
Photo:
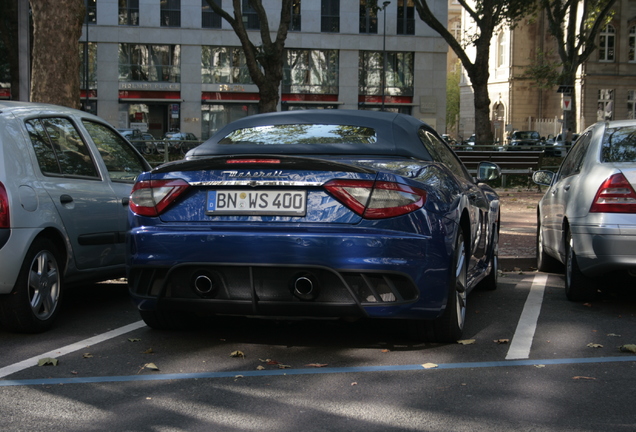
587, 218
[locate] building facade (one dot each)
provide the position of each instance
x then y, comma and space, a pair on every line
161, 66
605, 88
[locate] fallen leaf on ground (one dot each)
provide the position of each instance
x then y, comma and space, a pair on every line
134, 340
501, 341
151, 366
354, 383
466, 341
259, 367
283, 366
539, 366
429, 365
317, 365
594, 345
613, 335
237, 354
583, 378
47, 361
628, 348
87, 355
385, 350
149, 351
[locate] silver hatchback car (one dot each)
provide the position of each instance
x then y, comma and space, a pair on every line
587, 218
65, 180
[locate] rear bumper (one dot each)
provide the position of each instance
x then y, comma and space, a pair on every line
368, 273
604, 248
12, 253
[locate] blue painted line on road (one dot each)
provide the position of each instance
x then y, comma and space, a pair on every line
311, 371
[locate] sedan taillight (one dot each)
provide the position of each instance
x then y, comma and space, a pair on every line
4, 208
377, 200
152, 197
615, 195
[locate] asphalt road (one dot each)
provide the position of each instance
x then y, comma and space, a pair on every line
531, 361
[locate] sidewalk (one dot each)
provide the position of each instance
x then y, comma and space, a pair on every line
517, 234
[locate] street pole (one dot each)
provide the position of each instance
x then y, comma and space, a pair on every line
384, 6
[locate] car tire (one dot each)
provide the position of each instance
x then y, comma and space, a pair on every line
545, 262
578, 287
450, 325
489, 283
34, 303
173, 320
148, 150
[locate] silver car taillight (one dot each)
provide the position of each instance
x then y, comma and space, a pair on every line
615, 195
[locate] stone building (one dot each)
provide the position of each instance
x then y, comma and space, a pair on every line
605, 87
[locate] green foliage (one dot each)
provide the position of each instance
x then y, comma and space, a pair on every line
544, 71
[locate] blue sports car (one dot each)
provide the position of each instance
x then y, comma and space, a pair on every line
318, 213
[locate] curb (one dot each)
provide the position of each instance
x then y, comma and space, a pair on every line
517, 263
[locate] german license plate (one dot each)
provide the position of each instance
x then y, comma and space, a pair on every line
257, 202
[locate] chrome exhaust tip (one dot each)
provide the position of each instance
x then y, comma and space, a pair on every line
305, 286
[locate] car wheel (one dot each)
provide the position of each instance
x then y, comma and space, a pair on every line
489, 283
148, 150
545, 263
173, 320
35, 300
450, 326
578, 287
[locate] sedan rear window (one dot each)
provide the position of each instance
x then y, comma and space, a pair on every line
302, 134
619, 145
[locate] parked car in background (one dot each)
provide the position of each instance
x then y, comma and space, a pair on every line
524, 141
65, 181
150, 146
317, 213
181, 141
134, 136
587, 218
556, 147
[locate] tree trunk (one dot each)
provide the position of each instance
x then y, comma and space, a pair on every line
9, 35
57, 28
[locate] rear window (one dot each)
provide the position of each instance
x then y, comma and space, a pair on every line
302, 134
619, 145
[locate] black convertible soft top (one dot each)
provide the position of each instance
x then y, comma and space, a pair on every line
394, 135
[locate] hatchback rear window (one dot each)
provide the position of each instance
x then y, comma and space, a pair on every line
619, 145
302, 134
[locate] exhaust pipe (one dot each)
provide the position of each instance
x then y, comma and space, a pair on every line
305, 286
204, 284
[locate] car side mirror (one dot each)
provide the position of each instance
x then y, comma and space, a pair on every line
542, 177
487, 171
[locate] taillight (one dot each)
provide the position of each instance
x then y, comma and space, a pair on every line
152, 197
615, 195
4, 208
377, 200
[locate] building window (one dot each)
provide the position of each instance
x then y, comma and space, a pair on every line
501, 49
330, 16
250, 17
91, 67
399, 73
631, 104
368, 17
310, 71
605, 110
607, 40
170, 13
224, 65
406, 17
632, 44
294, 24
153, 63
129, 12
209, 18
91, 12
456, 29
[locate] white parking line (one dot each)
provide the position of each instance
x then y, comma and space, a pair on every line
524, 334
33, 361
